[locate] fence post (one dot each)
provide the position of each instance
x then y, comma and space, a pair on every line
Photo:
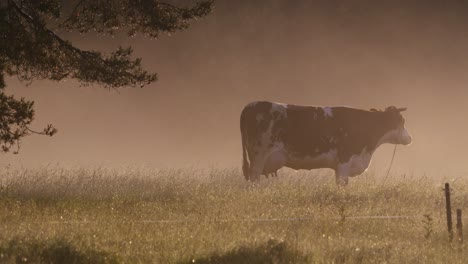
459, 226
448, 206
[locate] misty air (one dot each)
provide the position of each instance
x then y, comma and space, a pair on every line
218, 131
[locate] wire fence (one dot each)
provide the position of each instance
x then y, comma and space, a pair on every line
300, 219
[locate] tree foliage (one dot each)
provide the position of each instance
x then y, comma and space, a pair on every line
31, 50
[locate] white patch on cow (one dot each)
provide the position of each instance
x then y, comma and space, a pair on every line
389, 137
271, 155
252, 104
406, 138
327, 111
269, 146
356, 165
266, 137
282, 104
396, 136
330, 157
278, 107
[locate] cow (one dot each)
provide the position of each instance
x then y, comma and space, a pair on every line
276, 135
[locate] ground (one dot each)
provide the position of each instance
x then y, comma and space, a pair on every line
57, 215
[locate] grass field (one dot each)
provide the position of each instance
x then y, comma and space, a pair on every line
57, 215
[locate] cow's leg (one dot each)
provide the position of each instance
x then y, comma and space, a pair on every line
256, 169
341, 175
341, 180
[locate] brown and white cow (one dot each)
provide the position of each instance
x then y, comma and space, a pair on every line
344, 139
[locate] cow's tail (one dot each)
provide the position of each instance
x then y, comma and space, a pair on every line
245, 161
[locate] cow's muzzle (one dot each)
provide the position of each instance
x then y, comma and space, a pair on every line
405, 137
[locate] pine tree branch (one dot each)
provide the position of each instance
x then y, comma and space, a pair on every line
30, 49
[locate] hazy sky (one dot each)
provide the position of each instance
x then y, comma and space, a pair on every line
364, 54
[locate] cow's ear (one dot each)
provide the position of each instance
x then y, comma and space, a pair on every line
402, 109
391, 109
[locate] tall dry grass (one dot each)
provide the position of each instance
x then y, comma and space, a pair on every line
214, 216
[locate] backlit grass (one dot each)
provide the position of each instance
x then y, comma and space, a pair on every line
215, 216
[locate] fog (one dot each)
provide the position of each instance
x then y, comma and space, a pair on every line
363, 54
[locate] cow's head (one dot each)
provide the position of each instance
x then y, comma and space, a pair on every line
395, 126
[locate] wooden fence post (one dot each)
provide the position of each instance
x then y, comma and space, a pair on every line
448, 206
459, 226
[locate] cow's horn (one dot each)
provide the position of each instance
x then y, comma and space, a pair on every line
402, 109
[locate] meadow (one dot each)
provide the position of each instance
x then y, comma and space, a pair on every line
212, 215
